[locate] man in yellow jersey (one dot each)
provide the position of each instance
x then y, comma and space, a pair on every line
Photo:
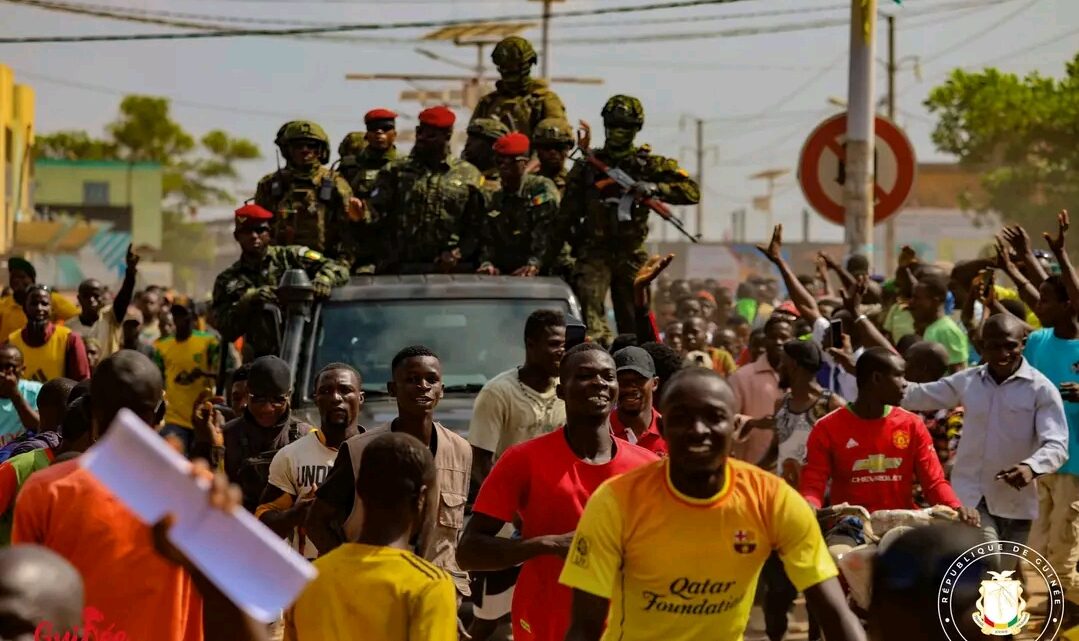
674, 549
376, 587
188, 361
21, 275
48, 350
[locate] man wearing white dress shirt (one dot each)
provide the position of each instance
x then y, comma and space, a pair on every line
1014, 431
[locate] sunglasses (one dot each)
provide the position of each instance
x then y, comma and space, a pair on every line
381, 128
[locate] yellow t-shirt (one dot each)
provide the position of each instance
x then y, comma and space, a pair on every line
13, 318
373, 592
625, 542
179, 361
45, 362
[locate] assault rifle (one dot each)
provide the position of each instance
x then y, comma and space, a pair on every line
633, 191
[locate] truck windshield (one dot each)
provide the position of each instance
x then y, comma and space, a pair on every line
475, 339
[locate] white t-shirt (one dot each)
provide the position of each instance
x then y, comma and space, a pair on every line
296, 469
508, 412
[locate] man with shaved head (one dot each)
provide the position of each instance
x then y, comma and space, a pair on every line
40, 592
67, 510
1014, 431
723, 516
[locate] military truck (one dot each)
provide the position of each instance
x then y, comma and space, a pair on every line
474, 323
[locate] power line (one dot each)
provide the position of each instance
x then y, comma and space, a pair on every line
179, 102
341, 28
967, 40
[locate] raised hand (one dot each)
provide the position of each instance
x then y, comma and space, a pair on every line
773, 250
584, 135
132, 259
1057, 244
1017, 237
651, 269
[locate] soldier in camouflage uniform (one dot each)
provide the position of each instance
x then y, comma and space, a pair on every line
307, 198
518, 100
351, 146
242, 292
514, 232
609, 251
553, 141
428, 203
482, 134
361, 169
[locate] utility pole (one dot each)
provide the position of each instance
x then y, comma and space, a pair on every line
700, 151
545, 39
858, 187
889, 225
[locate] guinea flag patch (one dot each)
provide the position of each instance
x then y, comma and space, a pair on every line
745, 541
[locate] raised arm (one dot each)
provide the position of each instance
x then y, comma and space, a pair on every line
642, 297
803, 300
846, 279
127, 289
1027, 291
867, 333
1067, 271
1019, 240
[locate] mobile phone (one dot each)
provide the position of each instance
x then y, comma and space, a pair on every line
835, 334
575, 332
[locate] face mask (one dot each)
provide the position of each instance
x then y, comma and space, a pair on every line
514, 79
619, 138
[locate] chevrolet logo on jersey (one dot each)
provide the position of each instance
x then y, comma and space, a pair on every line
876, 463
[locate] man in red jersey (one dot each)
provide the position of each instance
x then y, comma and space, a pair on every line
872, 450
546, 482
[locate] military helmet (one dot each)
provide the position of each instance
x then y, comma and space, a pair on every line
303, 130
352, 144
623, 110
487, 128
513, 52
552, 131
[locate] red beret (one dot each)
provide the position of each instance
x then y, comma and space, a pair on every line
440, 117
379, 114
251, 212
512, 144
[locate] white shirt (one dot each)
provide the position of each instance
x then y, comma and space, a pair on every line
508, 412
840, 381
1019, 421
296, 469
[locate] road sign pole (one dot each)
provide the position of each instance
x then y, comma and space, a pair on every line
889, 227
858, 186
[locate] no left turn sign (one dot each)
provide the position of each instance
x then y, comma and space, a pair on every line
822, 168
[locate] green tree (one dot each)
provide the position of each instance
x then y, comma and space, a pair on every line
195, 174
1020, 134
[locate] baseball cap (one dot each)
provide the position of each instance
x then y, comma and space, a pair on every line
805, 354
635, 359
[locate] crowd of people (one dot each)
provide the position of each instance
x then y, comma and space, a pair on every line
656, 483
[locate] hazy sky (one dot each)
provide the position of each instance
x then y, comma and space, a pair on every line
766, 92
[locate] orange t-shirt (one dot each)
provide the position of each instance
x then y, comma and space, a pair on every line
66, 509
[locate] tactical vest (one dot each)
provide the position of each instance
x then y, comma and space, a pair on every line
302, 208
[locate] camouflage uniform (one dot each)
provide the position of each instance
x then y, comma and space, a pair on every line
608, 252
368, 245
490, 130
556, 132
513, 233
306, 201
352, 145
518, 101
424, 212
238, 311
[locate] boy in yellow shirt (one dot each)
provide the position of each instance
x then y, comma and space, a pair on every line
188, 361
377, 588
673, 550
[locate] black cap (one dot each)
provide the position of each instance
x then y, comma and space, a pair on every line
22, 265
805, 354
269, 376
635, 359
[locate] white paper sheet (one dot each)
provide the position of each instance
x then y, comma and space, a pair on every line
250, 564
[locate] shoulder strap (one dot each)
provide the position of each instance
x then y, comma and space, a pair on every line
293, 431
